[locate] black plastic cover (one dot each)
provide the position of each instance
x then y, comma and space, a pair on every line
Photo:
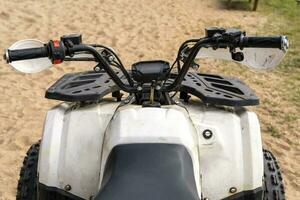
147, 71
256, 194
75, 38
211, 31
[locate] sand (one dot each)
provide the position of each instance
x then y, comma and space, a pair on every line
136, 29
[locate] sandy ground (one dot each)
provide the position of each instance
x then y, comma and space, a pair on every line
136, 29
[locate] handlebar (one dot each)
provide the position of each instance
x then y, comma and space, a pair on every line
104, 64
54, 50
279, 42
239, 41
57, 50
25, 54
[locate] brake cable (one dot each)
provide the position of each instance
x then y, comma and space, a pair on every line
121, 66
105, 65
194, 50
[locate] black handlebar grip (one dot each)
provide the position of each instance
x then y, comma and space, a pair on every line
279, 42
26, 54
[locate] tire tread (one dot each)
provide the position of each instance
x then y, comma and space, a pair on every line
27, 184
273, 182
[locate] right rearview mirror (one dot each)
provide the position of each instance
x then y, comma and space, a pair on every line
32, 65
256, 58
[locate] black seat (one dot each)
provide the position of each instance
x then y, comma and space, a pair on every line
148, 172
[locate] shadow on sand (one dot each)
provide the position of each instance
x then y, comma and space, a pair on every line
235, 5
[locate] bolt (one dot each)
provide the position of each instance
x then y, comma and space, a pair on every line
68, 187
110, 58
232, 190
139, 88
157, 87
97, 69
207, 134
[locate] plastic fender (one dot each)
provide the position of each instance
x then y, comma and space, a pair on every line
71, 147
232, 156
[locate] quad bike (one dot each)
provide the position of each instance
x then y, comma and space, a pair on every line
149, 140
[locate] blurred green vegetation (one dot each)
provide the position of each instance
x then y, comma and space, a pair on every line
286, 8
280, 91
284, 18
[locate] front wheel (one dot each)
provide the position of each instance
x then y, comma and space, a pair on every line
28, 182
27, 185
273, 188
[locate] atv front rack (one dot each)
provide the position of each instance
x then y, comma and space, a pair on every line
82, 86
211, 89
218, 90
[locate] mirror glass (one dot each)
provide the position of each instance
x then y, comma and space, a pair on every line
32, 65
256, 58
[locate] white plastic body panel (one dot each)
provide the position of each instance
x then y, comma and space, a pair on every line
76, 144
233, 156
71, 147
